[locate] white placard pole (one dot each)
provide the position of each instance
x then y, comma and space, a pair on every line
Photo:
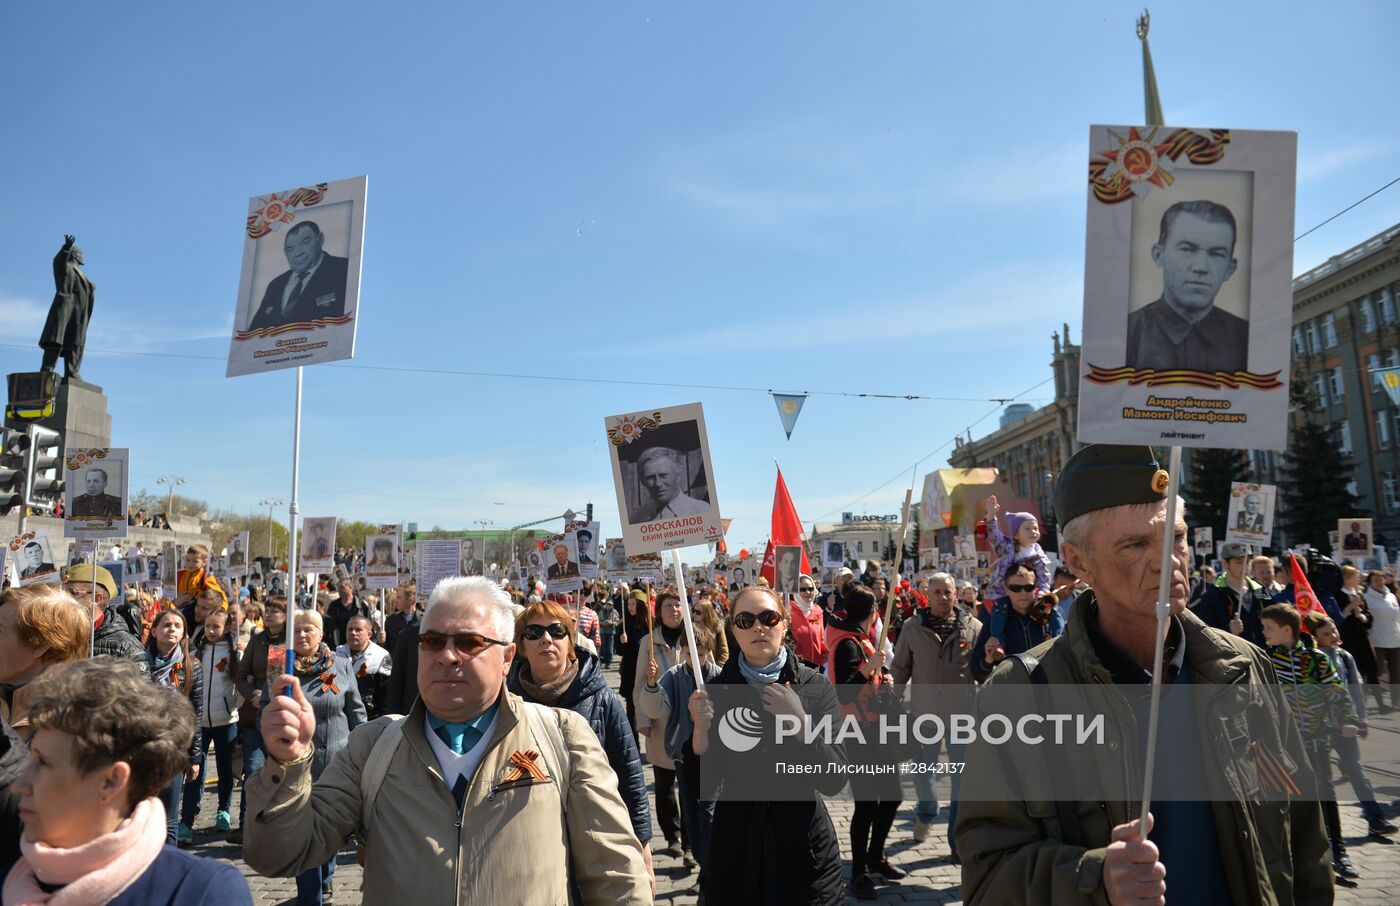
292, 528
1164, 607
92, 621
894, 578
685, 615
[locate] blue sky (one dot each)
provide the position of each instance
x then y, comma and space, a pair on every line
820, 196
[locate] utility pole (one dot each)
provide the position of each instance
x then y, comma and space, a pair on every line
271, 503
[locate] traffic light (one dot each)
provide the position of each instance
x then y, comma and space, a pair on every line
14, 444
44, 468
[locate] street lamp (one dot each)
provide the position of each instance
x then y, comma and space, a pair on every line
174, 481
270, 502
485, 566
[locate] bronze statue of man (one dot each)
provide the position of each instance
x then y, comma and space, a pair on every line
65, 332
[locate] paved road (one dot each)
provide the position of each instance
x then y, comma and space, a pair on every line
932, 878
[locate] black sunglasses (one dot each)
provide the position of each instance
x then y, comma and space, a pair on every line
746, 619
1020, 588
535, 632
468, 644
806, 589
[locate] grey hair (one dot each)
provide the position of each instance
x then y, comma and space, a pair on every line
942, 577
673, 455
479, 592
313, 615
1078, 529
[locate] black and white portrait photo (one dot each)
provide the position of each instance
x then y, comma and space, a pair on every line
95, 499
1250, 517
787, 567
587, 551
381, 555
238, 553
738, 577
562, 559
1194, 253
33, 559
834, 553
312, 286
317, 544
472, 564
617, 557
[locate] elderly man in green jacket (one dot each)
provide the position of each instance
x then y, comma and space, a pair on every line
1255, 834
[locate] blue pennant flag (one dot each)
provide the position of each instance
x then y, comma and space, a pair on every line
789, 406
1390, 380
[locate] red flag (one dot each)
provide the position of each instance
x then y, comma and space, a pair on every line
1304, 598
787, 530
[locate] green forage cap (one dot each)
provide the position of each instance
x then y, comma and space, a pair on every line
1107, 475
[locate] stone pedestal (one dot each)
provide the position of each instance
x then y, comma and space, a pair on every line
80, 415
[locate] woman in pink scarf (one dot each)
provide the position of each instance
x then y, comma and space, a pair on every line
105, 744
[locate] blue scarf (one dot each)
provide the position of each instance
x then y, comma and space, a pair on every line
763, 676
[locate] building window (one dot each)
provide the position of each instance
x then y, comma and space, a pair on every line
1368, 315
1329, 330
1310, 331
1373, 362
1387, 306
1390, 489
860, 547
1345, 434
1298, 346
1383, 429
1334, 384
1390, 358
1320, 388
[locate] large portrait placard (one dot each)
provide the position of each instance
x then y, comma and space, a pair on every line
33, 560
299, 290
383, 558
1188, 292
317, 553
238, 554
95, 492
664, 478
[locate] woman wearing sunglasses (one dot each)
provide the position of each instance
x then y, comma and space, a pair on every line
551, 670
808, 624
771, 848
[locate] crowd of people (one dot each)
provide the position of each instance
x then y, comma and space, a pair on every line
471, 748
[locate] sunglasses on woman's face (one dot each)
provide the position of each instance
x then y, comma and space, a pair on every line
467, 644
746, 619
535, 632
806, 590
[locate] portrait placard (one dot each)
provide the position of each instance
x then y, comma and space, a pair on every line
1251, 515
664, 478
644, 567
299, 290
317, 544
435, 560
560, 553
787, 567
833, 554
1188, 287
965, 550
382, 558
94, 492
1356, 537
237, 555
1205, 540
738, 576
33, 559
616, 558
586, 541
118, 570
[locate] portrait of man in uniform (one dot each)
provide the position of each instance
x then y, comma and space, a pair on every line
236, 554
95, 501
1251, 515
313, 287
34, 563
1183, 328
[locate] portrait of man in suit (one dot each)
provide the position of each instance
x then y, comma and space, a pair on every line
789, 565
95, 501
319, 548
617, 556
314, 286
236, 556
562, 567
1183, 328
1355, 540
1251, 515
585, 546
662, 473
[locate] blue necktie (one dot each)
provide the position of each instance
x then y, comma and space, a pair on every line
457, 737
459, 789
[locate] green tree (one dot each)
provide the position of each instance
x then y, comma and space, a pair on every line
1207, 488
1314, 487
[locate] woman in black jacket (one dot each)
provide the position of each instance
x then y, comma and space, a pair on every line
772, 840
550, 670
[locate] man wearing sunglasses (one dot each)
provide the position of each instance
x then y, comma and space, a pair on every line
474, 797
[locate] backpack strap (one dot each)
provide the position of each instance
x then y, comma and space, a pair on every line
376, 767
1069, 820
544, 726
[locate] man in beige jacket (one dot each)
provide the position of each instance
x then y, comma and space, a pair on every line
468, 808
